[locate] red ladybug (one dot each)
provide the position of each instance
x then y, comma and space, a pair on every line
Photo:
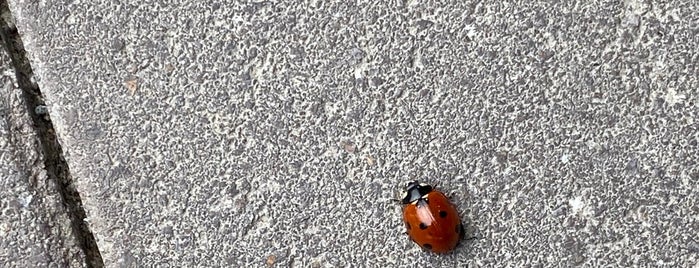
431, 219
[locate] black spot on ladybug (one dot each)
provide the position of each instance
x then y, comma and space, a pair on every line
442, 214
423, 226
407, 225
427, 246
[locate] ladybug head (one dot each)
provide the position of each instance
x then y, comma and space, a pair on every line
414, 191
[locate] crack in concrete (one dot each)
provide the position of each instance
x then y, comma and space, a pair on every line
54, 162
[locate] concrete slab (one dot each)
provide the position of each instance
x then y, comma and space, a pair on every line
35, 230
259, 133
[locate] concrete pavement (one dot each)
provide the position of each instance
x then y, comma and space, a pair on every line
34, 228
201, 133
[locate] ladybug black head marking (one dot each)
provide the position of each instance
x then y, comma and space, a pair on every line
414, 190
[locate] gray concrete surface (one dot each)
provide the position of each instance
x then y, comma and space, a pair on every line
34, 227
202, 133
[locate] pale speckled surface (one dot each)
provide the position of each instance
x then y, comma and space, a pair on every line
225, 133
35, 230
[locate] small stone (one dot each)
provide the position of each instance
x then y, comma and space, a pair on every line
41, 110
131, 85
271, 259
370, 160
348, 146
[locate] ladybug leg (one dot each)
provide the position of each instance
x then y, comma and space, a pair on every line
462, 234
469, 239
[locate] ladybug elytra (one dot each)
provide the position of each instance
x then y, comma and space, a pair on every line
430, 218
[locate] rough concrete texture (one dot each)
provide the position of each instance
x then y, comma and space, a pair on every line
34, 227
251, 132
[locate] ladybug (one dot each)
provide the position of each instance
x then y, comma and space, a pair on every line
431, 219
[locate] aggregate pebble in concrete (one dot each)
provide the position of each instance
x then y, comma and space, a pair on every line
35, 230
262, 133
